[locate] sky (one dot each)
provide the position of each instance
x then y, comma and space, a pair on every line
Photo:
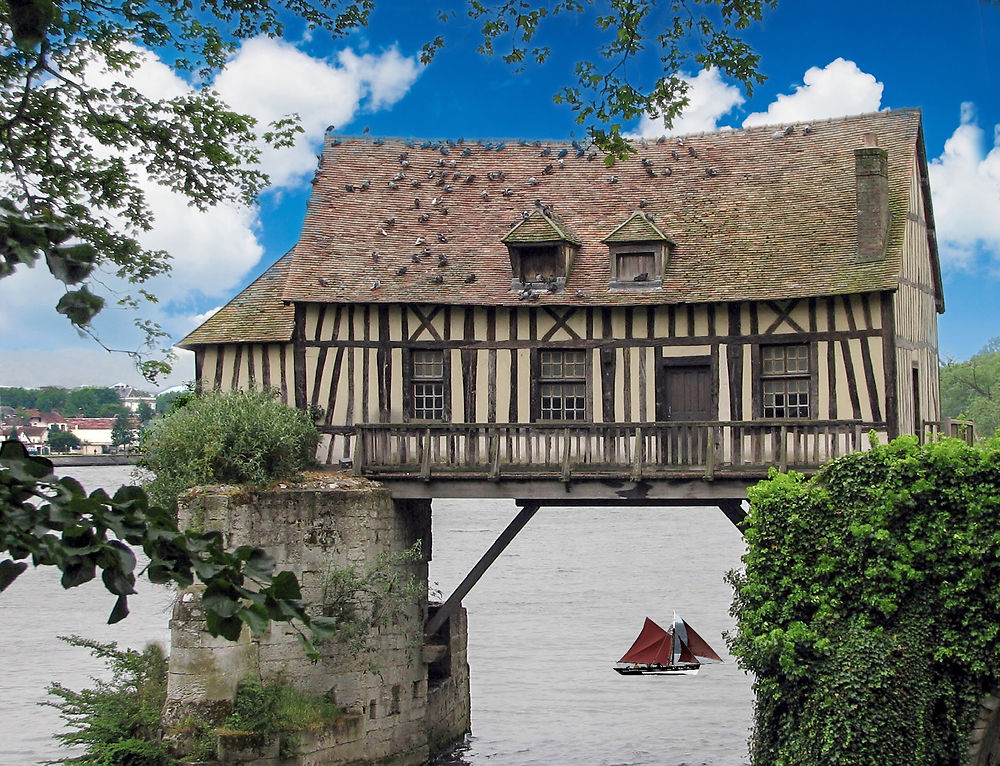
820, 59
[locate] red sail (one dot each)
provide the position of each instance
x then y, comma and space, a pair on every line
654, 646
699, 647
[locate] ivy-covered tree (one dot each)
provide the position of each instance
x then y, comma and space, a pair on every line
867, 608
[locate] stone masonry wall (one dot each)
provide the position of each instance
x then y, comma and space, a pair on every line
393, 716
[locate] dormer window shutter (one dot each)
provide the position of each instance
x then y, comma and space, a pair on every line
638, 251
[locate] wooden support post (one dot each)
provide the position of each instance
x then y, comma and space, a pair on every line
783, 459
710, 453
359, 452
449, 607
425, 457
638, 456
735, 513
565, 456
495, 467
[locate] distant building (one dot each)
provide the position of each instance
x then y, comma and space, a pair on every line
132, 398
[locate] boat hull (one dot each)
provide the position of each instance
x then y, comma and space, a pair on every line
657, 670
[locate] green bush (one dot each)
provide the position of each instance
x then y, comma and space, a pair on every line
242, 437
868, 607
275, 709
117, 722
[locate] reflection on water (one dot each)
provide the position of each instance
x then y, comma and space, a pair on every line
547, 622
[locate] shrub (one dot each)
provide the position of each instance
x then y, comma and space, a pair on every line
242, 437
117, 722
276, 709
867, 608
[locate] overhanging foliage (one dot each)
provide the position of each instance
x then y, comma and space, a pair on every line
869, 609
51, 521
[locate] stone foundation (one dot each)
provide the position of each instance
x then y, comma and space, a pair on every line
404, 700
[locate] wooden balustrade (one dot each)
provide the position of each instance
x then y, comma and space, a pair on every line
604, 450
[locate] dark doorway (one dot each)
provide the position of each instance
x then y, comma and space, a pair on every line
684, 391
918, 426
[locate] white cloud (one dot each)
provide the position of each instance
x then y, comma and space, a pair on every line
271, 79
709, 99
837, 89
965, 184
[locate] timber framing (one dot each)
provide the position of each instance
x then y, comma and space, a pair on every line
585, 387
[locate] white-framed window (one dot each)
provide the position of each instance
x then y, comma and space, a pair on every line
428, 385
785, 381
562, 384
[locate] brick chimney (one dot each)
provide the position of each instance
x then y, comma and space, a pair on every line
871, 167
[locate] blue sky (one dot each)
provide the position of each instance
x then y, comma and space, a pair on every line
821, 60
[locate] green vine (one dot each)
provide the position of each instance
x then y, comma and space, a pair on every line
869, 606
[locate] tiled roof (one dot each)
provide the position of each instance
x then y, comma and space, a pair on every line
755, 214
637, 228
539, 227
256, 315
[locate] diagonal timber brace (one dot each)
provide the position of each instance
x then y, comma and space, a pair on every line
455, 599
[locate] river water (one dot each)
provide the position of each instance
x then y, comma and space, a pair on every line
546, 624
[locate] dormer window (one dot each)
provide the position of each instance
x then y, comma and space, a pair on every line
541, 250
638, 251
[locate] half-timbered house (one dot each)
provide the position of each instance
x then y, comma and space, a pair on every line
510, 313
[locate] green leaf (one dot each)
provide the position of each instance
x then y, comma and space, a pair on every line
80, 306
9, 571
78, 572
285, 587
308, 646
256, 618
227, 627
118, 582
324, 627
260, 565
221, 600
120, 611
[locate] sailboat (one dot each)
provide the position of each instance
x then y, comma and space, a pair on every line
673, 652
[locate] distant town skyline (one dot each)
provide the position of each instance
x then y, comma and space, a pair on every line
821, 61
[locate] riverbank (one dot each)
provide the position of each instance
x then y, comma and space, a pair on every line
71, 460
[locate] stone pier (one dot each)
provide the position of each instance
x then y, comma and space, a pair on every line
405, 698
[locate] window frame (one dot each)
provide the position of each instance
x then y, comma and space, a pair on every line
518, 252
618, 249
539, 382
412, 380
808, 375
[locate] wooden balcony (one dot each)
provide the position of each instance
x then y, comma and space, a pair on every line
524, 456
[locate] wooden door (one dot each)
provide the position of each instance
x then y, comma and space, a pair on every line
684, 392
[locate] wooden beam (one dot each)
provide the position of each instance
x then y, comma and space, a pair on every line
455, 599
735, 513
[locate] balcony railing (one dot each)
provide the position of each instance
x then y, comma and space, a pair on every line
737, 449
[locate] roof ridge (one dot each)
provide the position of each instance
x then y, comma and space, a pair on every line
632, 138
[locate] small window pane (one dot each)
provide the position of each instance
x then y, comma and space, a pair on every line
428, 401
563, 401
788, 398
428, 364
784, 360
